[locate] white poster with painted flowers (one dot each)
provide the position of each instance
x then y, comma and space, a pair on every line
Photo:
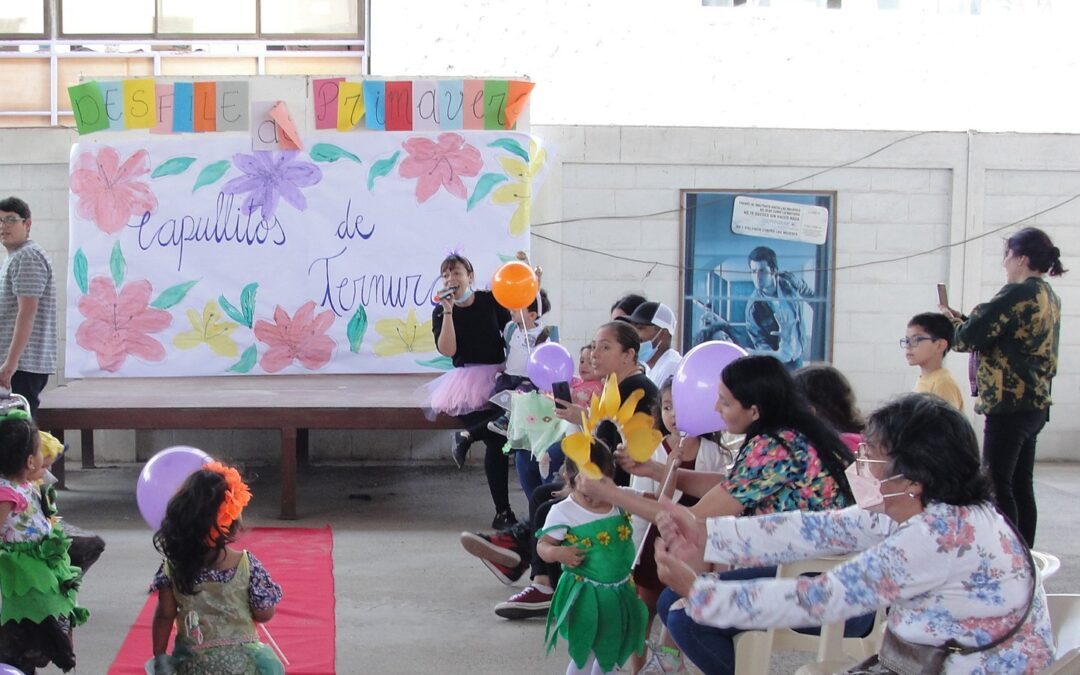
202, 257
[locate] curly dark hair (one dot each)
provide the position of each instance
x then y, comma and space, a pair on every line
189, 538
831, 396
932, 443
18, 440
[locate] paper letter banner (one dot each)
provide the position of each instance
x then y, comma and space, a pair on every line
206, 106
183, 106
232, 106
163, 106
89, 107
195, 255
350, 105
324, 94
113, 95
375, 105
139, 110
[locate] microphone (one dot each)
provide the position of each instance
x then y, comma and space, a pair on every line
444, 294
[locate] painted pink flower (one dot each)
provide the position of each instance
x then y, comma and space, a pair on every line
110, 193
439, 164
302, 336
117, 325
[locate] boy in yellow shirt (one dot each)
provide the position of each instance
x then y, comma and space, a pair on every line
928, 339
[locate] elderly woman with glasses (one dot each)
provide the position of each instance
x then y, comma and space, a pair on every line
928, 543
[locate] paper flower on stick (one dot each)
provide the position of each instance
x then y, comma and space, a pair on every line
636, 429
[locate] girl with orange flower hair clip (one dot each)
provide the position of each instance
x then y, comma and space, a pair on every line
214, 593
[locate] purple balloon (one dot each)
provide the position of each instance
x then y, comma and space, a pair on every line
696, 386
550, 363
162, 477
5, 669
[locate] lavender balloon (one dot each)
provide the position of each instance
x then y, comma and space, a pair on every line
162, 477
549, 363
5, 669
696, 386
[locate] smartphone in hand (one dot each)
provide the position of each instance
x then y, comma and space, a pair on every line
561, 392
942, 295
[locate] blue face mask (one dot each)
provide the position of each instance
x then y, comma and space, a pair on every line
464, 296
647, 351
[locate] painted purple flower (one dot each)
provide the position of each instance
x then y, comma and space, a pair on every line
269, 177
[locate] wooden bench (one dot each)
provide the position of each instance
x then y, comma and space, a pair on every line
291, 404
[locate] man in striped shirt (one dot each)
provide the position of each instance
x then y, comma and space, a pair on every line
27, 307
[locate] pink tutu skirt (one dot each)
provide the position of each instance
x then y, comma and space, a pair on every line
460, 390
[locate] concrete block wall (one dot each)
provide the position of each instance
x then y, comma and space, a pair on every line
903, 215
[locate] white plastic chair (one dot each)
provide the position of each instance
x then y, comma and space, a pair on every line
1065, 621
1046, 563
753, 648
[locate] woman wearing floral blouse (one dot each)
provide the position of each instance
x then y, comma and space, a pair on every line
933, 548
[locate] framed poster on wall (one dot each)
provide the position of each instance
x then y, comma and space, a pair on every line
758, 271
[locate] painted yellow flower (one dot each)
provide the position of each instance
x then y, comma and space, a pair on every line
624, 532
520, 191
604, 538
209, 330
400, 336
637, 429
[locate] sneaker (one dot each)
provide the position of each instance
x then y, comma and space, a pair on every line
500, 547
663, 661
531, 602
499, 426
503, 520
460, 449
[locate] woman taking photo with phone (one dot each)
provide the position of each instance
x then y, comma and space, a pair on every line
1016, 334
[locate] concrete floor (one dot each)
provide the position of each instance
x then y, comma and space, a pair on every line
409, 599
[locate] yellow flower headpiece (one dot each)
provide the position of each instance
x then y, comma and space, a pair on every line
637, 429
237, 496
51, 447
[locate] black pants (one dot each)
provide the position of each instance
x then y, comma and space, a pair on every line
496, 463
29, 385
540, 502
1009, 456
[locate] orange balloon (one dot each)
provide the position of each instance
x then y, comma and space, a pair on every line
515, 285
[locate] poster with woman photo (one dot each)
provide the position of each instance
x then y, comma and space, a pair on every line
758, 271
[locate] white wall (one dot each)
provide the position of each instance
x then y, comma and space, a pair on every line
677, 63
921, 193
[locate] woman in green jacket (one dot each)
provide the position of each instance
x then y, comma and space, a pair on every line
1016, 334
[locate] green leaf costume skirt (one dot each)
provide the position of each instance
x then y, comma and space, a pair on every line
595, 607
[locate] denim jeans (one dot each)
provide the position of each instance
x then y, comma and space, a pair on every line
712, 649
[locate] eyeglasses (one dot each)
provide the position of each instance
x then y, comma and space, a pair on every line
914, 341
11, 220
863, 462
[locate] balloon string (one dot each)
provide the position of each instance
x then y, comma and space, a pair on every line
672, 468
525, 331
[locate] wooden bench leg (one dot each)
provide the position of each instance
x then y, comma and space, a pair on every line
302, 447
58, 465
288, 474
87, 436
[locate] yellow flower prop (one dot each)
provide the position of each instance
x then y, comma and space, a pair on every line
637, 429
51, 447
400, 336
208, 330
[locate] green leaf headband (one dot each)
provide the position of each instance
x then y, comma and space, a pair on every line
15, 414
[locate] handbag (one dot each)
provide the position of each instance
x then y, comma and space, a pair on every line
902, 657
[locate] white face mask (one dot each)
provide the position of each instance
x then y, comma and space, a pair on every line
464, 296
867, 489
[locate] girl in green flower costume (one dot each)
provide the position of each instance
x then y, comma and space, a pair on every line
595, 607
37, 581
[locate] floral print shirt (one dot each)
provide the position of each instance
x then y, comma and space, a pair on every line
951, 572
782, 472
263, 593
26, 521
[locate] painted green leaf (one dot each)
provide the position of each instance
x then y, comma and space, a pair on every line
507, 258
438, 363
483, 187
172, 167
232, 311
380, 169
117, 265
172, 296
356, 329
246, 362
328, 152
247, 304
81, 269
512, 146
211, 174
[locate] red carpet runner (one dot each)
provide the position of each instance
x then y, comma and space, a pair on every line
301, 561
